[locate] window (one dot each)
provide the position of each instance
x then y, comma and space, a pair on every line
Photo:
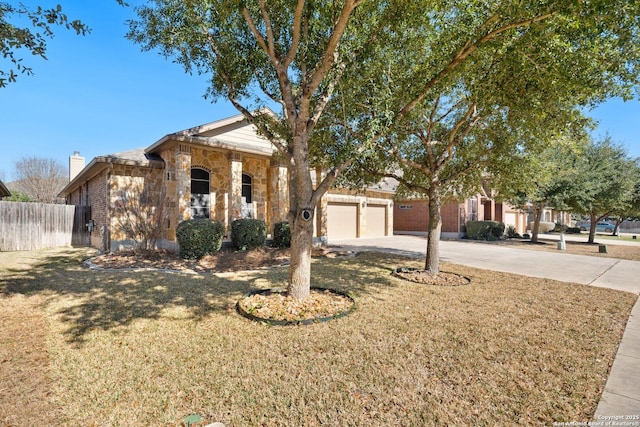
200, 198
247, 190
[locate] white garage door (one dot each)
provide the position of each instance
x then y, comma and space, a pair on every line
510, 218
376, 220
342, 221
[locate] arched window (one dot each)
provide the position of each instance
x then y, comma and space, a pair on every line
247, 191
200, 199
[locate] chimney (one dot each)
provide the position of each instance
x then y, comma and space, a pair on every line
76, 164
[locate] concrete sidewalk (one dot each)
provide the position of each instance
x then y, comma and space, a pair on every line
621, 395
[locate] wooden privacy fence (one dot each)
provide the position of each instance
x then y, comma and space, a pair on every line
29, 226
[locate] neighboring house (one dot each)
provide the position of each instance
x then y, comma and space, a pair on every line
221, 170
412, 215
4, 191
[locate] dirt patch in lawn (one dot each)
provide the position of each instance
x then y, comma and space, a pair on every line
226, 260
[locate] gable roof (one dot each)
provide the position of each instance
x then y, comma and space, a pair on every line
4, 191
233, 133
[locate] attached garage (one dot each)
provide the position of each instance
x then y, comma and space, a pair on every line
376, 220
510, 219
342, 221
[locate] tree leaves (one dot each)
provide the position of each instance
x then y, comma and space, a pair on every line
23, 28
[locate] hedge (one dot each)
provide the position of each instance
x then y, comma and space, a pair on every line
281, 235
199, 237
247, 233
485, 230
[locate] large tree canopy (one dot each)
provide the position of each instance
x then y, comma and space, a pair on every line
259, 53
472, 87
355, 79
606, 180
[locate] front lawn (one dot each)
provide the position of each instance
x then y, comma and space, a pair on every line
83, 347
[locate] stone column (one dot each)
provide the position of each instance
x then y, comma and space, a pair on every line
362, 216
321, 227
389, 231
183, 181
235, 183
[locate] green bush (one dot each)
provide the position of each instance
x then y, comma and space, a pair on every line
559, 228
512, 233
199, 237
281, 235
485, 230
573, 230
247, 233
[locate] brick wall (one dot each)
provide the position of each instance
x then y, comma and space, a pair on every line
450, 218
411, 215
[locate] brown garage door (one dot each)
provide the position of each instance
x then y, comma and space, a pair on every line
376, 220
342, 221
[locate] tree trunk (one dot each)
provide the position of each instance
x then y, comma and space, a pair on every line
432, 262
592, 231
537, 216
299, 284
301, 196
619, 221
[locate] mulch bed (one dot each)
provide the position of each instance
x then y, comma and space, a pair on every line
426, 278
277, 308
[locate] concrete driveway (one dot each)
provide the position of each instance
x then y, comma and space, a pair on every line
597, 271
621, 396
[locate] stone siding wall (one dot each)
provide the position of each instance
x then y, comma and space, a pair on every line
126, 185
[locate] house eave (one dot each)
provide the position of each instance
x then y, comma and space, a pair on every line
100, 163
212, 142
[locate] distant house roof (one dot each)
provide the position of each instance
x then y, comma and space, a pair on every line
4, 191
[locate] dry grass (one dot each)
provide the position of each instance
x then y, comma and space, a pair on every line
149, 348
578, 248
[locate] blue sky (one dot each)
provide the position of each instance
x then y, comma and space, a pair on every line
99, 94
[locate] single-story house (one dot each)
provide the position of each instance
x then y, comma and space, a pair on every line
222, 170
4, 191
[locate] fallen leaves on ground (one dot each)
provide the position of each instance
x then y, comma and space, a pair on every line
426, 278
320, 303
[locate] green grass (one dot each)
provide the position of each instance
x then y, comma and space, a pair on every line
151, 348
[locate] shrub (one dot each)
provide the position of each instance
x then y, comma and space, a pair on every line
485, 230
247, 233
559, 228
281, 235
573, 230
526, 236
545, 226
512, 233
199, 237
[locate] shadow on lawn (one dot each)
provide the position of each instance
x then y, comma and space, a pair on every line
88, 300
